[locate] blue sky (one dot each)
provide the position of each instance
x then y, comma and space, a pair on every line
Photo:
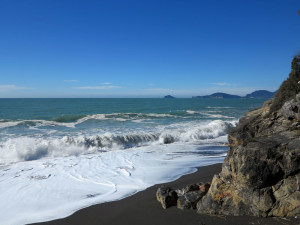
125, 48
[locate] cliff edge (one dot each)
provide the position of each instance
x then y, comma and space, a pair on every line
261, 173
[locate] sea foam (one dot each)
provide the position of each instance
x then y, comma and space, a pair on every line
74, 120
36, 147
51, 188
45, 177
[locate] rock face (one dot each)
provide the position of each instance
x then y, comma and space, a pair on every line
261, 173
289, 88
291, 109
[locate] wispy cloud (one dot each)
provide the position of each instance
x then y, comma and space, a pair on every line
11, 87
106, 83
221, 84
97, 87
70, 81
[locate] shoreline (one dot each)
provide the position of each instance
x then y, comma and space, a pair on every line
143, 208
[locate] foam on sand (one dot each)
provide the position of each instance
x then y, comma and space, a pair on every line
51, 188
57, 168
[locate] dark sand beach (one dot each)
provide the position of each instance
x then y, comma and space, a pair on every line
143, 208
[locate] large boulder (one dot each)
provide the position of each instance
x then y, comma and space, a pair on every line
166, 196
189, 200
189, 196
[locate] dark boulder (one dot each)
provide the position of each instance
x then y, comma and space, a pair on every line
190, 195
166, 196
189, 200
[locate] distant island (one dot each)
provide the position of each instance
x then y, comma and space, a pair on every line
218, 95
169, 96
255, 94
261, 94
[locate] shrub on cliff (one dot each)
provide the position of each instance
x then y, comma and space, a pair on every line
289, 88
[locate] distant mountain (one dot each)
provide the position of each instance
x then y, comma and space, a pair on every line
261, 94
255, 94
218, 95
169, 96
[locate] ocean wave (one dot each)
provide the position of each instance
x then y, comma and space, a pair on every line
124, 117
33, 123
73, 120
68, 118
219, 107
33, 148
4, 124
209, 114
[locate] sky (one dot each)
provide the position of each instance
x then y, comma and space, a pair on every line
145, 48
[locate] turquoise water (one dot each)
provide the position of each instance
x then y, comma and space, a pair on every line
68, 110
106, 124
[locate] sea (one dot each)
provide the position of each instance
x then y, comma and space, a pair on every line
61, 155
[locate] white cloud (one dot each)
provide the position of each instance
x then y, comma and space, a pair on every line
70, 81
11, 87
97, 87
221, 84
106, 83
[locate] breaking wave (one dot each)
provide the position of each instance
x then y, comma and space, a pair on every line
33, 148
210, 114
73, 120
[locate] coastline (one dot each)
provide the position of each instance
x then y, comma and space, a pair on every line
143, 208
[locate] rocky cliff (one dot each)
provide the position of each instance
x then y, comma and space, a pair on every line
261, 173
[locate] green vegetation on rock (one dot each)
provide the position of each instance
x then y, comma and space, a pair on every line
289, 88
